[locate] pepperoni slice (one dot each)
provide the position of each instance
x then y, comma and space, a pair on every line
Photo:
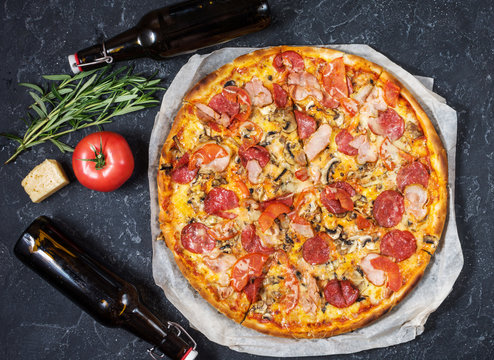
246, 268
251, 290
398, 244
289, 60
195, 237
218, 200
340, 293
255, 152
345, 186
343, 140
334, 79
222, 106
392, 271
391, 93
316, 250
280, 96
388, 124
271, 212
336, 199
388, 208
306, 125
252, 243
414, 173
182, 174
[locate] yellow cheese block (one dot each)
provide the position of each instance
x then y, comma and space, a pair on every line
44, 180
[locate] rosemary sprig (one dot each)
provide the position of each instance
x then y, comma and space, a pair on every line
90, 98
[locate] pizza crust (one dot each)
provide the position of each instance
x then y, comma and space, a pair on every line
213, 84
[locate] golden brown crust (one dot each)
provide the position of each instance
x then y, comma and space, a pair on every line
237, 305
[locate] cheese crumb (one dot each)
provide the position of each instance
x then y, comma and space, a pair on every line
44, 180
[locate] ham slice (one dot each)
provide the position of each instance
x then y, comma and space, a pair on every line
303, 85
211, 156
301, 226
391, 156
374, 103
220, 264
375, 276
366, 151
299, 93
318, 141
254, 171
415, 199
205, 113
363, 93
219, 164
303, 79
309, 297
259, 95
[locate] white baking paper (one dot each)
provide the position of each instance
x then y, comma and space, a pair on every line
402, 324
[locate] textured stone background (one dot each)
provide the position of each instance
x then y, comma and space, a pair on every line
451, 41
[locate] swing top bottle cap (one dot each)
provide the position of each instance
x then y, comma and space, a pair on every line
190, 355
73, 64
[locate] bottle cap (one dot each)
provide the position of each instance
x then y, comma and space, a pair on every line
73, 64
190, 355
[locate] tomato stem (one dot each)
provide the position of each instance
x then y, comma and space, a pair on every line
99, 157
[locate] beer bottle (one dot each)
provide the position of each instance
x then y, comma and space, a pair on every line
177, 29
104, 295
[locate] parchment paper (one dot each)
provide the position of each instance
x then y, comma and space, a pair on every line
402, 324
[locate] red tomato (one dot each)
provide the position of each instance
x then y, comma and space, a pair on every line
102, 161
271, 212
247, 267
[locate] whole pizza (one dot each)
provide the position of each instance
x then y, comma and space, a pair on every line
302, 191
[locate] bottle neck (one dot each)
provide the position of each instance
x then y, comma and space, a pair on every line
142, 323
124, 46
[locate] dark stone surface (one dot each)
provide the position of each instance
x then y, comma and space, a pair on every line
451, 41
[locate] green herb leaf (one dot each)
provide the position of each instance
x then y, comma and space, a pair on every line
62, 146
57, 77
90, 98
32, 86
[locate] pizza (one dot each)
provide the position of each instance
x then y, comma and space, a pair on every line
302, 191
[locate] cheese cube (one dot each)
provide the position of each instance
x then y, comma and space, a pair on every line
44, 180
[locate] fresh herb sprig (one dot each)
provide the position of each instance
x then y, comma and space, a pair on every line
90, 98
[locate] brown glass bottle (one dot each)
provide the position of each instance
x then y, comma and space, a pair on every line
177, 29
104, 295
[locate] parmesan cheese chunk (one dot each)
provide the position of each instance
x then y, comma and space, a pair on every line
44, 180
